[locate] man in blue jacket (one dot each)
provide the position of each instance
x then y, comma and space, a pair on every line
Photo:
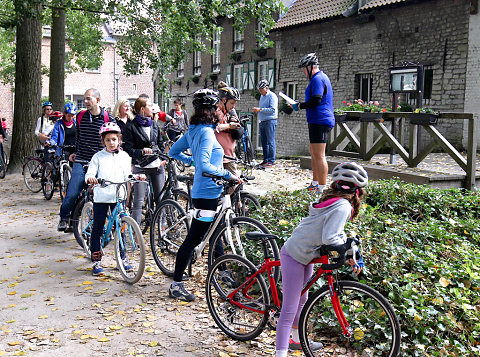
267, 116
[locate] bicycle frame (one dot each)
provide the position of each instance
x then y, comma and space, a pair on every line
268, 266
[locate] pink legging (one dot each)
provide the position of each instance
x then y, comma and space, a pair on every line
294, 277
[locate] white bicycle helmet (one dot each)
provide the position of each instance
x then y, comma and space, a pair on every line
262, 84
309, 59
109, 128
350, 172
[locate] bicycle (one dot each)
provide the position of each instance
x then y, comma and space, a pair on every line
171, 224
244, 148
129, 243
57, 173
32, 169
168, 144
344, 314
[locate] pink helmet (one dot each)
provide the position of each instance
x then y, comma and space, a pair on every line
109, 128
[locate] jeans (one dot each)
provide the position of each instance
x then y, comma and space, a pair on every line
100, 211
75, 187
267, 136
157, 177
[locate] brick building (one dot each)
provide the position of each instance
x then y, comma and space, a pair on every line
357, 49
109, 79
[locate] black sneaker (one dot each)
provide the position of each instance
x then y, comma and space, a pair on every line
226, 277
179, 292
62, 225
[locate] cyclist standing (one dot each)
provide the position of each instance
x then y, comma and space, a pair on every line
64, 130
179, 122
324, 226
110, 164
122, 113
44, 124
267, 115
87, 143
320, 117
207, 154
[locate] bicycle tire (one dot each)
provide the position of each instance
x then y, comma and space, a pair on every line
32, 174
249, 152
225, 275
75, 220
253, 251
248, 204
3, 167
374, 326
48, 184
181, 197
168, 231
86, 224
129, 245
5, 156
65, 179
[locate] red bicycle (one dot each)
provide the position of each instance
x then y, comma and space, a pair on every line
348, 317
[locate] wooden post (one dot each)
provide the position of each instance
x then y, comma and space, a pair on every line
413, 144
393, 156
366, 138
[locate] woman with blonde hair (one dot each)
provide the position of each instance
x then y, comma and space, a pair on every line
122, 113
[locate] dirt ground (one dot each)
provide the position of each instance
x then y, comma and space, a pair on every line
51, 305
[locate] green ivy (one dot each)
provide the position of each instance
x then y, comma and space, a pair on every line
421, 248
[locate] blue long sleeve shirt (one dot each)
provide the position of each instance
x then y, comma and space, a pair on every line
207, 155
269, 106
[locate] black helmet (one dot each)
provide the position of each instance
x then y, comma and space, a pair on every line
205, 98
262, 84
308, 60
229, 93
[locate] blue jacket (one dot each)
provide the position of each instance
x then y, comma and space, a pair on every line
269, 106
58, 135
207, 156
321, 114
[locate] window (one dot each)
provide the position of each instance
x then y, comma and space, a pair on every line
363, 86
134, 87
238, 44
427, 88
78, 99
237, 76
262, 71
291, 90
180, 70
216, 51
197, 63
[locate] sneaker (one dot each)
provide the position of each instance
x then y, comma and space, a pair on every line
179, 292
126, 265
268, 164
226, 277
297, 346
97, 269
314, 189
62, 225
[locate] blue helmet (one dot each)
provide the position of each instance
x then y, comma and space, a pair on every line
46, 104
70, 108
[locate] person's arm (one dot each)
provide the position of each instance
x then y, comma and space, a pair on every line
206, 147
128, 143
271, 105
314, 101
55, 135
38, 127
160, 143
91, 175
177, 149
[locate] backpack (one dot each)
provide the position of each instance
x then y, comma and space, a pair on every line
106, 119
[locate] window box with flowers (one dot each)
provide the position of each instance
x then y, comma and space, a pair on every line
366, 111
424, 116
340, 115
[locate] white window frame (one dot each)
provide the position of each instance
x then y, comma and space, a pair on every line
181, 70
291, 90
238, 41
216, 51
262, 65
197, 63
237, 78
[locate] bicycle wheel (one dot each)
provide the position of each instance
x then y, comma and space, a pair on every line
86, 224
219, 243
244, 322
3, 167
48, 184
32, 174
181, 197
248, 204
130, 250
373, 324
75, 220
65, 179
249, 152
168, 231
5, 157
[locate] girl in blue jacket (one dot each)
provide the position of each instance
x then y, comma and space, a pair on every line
207, 154
64, 131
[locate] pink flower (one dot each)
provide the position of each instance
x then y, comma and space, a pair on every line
376, 102
344, 102
360, 101
349, 103
370, 102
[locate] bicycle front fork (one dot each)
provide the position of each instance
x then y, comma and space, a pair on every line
335, 291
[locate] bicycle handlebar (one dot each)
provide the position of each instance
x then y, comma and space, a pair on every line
341, 250
131, 178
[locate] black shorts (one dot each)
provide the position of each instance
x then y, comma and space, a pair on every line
318, 133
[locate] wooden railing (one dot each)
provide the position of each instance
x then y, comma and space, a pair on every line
361, 136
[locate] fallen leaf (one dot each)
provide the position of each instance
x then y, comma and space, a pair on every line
103, 339
14, 343
43, 317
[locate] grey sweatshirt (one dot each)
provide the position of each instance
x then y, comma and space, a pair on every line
323, 226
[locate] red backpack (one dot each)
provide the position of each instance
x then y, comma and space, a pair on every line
106, 119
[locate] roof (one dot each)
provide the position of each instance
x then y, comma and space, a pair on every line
304, 11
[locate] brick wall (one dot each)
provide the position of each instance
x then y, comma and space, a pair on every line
349, 46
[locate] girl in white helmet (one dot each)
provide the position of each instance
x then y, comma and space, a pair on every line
324, 226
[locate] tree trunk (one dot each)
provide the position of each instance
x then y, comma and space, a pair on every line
28, 82
56, 91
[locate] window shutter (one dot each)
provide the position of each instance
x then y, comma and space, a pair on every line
251, 75
245, 81
271, 72
228, 75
